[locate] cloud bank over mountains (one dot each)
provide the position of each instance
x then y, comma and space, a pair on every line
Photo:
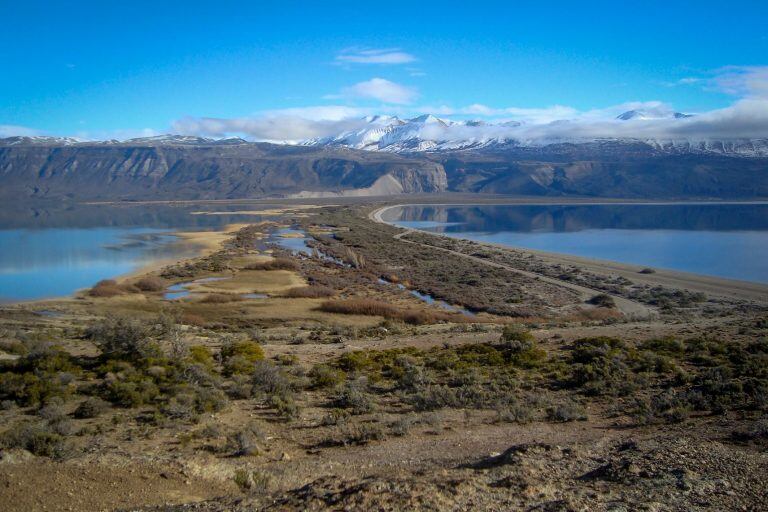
355, 106
746, 118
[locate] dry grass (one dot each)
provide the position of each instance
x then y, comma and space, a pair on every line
221, 298
309, 292
371, 307
597, 314
275, 264
110, 288
368, 307
192, 319
151, 284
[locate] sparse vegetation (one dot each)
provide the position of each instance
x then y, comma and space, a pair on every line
309, 292
151, 284
274, 264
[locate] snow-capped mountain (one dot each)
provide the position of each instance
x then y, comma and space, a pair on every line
156, 140
651, 114
423, 133
428, 133
653, 128
39, 140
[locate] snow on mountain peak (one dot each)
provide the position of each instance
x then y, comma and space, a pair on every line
650, 114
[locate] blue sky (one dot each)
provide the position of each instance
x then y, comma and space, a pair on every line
108, 69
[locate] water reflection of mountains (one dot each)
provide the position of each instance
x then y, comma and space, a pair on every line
38, 215
565, 218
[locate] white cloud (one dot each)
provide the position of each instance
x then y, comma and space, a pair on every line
374, 56
382, 90
288, 125
10, 130
743, 81
746, 118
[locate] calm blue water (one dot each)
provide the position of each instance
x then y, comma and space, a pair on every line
54, 262
724, 240
52, 251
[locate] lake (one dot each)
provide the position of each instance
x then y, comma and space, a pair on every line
52, 250
723, 240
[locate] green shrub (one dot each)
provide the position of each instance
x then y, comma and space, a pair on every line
91, 407
353, 396
515, 332
124, 338
268, 379
38, 438
133, 393
202, 355
323, 376
249, 350
566, 411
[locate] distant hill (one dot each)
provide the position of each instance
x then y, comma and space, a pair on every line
182, 167
203, 169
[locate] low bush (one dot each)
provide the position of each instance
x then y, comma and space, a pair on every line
353, 396
248, 441
309, 292
151, 284
368, 307
221, 298
38, 438
566, 411
91, 407
201, 354
254, 482
106, 288
324, 376
268, 380
39, 377
602, 300
274, 264
124, 338
371, 307
238, 356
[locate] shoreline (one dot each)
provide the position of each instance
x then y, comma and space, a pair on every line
711, 285
202, 243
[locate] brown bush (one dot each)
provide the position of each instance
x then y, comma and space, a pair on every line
151, 284
192, 319
106, 288
274, 264
372, 307
309, 292
360, 307
221, 298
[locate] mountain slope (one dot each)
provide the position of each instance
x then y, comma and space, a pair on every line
195, 170
177, 167
428, 133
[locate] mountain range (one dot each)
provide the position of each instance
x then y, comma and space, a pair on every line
388, 155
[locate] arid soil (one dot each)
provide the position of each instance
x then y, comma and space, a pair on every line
323, 381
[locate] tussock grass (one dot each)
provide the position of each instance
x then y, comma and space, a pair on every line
110, 288
275, 264
309, 292
371, 307
151, 284
221, 298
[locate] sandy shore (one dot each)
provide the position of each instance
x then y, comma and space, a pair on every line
710, 285
202, 242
